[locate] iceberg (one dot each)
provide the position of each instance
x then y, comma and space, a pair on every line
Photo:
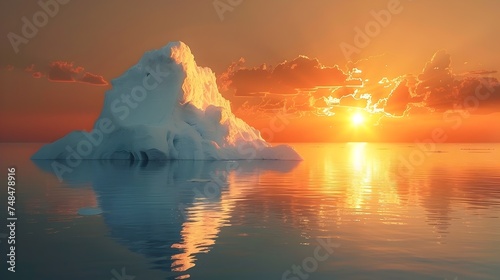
166, 107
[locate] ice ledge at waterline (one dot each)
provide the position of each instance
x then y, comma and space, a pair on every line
166, 107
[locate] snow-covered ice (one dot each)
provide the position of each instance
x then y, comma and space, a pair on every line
166, 107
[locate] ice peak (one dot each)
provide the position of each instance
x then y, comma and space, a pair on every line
167, 107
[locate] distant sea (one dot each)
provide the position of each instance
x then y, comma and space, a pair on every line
347, 211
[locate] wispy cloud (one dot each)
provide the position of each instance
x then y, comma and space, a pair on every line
63, 71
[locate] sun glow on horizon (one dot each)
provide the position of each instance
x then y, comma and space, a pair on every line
357, 119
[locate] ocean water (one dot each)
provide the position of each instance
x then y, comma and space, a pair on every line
348, 211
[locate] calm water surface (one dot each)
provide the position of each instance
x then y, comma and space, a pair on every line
390, 210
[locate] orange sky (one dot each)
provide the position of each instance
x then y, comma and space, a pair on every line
55, 82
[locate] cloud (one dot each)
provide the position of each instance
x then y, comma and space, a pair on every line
64, 71
305, 86
478, 94
482, 72
436, 81
438, 68
37, 75
442, 90
295, 87
374, 68
288, 77
354, 100
398, 101
30, 68
224, 79
9, 67
93, 79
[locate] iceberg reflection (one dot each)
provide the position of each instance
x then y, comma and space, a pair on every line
169, 211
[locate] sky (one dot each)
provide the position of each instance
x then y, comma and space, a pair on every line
361, 70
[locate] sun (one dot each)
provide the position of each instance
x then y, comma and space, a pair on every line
357, 119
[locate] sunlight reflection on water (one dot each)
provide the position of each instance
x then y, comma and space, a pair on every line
253, 220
